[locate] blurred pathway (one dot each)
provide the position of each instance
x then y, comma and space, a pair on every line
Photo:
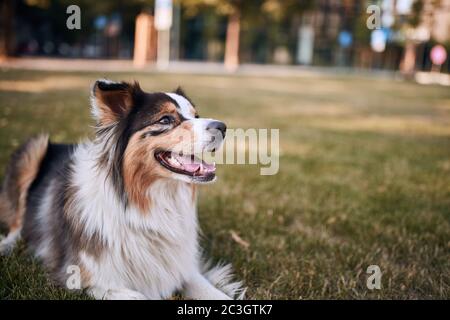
58, 64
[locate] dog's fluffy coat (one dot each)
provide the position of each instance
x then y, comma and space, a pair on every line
111, 207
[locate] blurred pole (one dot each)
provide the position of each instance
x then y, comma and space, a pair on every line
163, 22
144, 40
305, 47
163, 56
6, 28
175, 37
232, 42
305, 39
408, 63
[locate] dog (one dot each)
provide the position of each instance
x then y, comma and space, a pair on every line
120, 209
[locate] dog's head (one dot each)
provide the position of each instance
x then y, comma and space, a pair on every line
153, 135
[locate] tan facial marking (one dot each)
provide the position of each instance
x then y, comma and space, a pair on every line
140, 168
169, 107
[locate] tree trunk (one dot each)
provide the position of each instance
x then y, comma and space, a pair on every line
6, 28
232, 42
408, 63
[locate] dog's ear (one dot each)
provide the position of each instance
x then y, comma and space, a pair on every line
180, 92
112, 101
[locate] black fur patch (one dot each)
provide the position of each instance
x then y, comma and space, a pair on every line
54, 169
142, 114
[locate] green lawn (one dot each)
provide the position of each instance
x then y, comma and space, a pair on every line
364, 179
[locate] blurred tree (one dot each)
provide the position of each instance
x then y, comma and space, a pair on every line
234, 10
6, 28
415, 17
43, 22
408, 62
284, 19
126, 9
278, 12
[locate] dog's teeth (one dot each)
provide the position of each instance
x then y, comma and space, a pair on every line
174, 162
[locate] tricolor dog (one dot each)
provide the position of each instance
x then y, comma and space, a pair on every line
122, 207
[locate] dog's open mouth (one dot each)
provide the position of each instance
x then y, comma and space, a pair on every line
188, 165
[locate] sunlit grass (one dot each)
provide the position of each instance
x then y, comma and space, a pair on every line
364, 179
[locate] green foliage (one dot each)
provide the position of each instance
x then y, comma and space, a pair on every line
417, 8
360, 31
274, 9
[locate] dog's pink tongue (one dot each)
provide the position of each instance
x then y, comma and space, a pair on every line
191, 167
195, 165
188, 163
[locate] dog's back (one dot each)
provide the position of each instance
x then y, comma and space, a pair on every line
22, 170
31, 168
54, 171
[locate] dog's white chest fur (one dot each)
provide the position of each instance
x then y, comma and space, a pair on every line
153, 253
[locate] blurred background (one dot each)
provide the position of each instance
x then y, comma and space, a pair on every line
359, 93
370, 34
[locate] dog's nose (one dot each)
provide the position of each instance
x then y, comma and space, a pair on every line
217, 125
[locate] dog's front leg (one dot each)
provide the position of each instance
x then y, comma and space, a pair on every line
199, 288
115, 294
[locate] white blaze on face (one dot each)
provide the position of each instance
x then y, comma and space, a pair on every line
203, 137
184, 104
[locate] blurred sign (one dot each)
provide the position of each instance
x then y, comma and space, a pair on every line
418, 34
387, 5
305, 47
345, 39
114, 26
438, 55
100, 22
378, 40
163, 14
387, 17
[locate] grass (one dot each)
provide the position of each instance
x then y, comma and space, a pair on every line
364, 180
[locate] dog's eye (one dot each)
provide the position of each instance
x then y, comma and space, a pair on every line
165, 120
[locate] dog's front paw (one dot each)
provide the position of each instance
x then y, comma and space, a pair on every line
199, 288
123, 294
8, 243
218, 295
